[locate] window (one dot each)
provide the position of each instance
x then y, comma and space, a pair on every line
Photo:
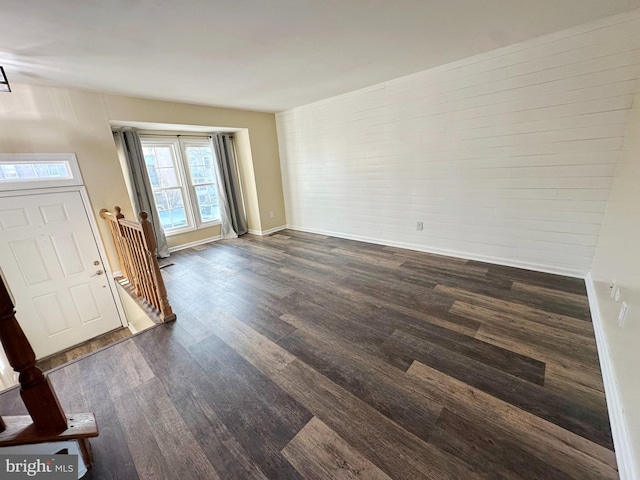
182, 176
203, 180
33, 171
38, 170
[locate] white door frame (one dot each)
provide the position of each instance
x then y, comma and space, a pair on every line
73, 183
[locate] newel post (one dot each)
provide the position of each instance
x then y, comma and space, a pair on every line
36, 390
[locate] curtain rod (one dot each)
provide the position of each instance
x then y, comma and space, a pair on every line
179, 135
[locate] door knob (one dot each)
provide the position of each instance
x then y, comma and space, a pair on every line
99, 272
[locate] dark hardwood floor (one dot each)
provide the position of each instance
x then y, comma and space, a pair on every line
305, 356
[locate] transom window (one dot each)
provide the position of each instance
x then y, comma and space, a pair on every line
21, 171
33, 171
182, 176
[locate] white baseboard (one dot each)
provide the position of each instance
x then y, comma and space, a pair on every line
623, 447
117, 274
539, 267
262, 233
194, 244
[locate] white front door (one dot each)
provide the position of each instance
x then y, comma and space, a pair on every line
50, 260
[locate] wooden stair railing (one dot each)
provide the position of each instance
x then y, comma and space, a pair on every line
46, 421
136, 249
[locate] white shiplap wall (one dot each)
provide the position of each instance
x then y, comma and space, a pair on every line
506, 157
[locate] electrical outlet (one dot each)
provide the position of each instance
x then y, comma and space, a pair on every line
420, 226
271, 214
617, 295
622, 316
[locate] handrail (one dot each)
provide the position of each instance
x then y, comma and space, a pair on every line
136, 249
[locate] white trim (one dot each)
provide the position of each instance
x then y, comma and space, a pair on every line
191, 186
263, 233
116, 274
95, 230
195, 244
133, 329
539, 267
69, 158
623, 448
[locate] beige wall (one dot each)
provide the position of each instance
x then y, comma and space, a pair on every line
51, 120
194, 236
37, 119
248, 179
617, 258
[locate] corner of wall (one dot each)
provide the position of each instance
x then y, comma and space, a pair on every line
616, 259
621, 439
248, 179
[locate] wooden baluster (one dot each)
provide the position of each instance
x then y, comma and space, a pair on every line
142, 264
129, 259
132, 273
151, 293
126, 269
137, 280
138, 260
149, 259
108, 217
36, 390
149, 251
150, 241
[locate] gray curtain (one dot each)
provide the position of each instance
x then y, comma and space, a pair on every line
226, 229
142, 197
228, 171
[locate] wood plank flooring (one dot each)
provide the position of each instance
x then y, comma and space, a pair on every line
58, 359
310, 357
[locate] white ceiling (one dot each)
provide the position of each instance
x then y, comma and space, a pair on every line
260, 54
